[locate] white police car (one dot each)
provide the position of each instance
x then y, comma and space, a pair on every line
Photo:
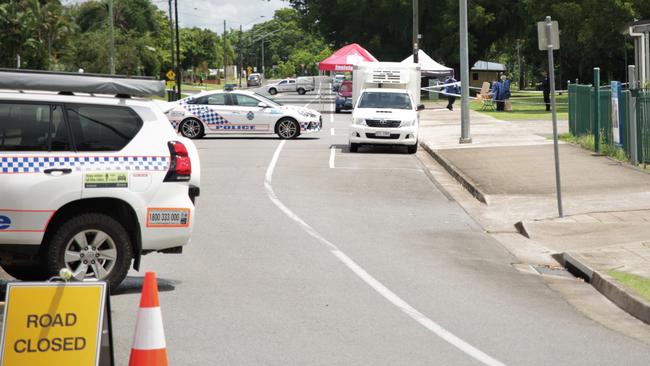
89, 182
238, 112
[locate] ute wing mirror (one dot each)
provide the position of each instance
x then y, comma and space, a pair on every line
262, 105
420, 107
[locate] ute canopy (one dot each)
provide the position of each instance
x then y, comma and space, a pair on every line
429, 67
346, 57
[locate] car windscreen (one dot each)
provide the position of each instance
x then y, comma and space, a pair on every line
385, 100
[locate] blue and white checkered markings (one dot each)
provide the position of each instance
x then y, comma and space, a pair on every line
37, 164
209, 117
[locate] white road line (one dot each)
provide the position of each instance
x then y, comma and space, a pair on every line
407, 309
317, 96
332, 156
332, 131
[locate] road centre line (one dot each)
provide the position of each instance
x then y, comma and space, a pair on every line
332, 156
406, 308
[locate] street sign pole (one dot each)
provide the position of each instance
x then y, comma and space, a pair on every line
551, 80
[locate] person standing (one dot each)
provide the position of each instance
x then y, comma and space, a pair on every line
451, 91
505, 90
546, 90
497, 92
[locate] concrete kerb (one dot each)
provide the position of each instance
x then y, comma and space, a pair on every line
624, 298
465, 181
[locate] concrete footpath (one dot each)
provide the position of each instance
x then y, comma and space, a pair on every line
509, 169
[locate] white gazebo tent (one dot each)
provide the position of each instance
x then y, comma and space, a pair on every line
429, 67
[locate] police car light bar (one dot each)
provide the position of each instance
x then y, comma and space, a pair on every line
70, 82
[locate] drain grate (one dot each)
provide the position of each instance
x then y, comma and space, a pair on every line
552, 271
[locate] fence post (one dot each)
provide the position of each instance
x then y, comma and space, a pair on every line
595, 122
634, 153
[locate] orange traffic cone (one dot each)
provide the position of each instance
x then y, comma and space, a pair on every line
149, 347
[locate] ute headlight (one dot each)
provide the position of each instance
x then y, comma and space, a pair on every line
359, 121
408, 123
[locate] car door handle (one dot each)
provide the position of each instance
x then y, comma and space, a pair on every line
58, 171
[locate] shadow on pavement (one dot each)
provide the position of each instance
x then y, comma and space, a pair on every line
254, 138
133, 285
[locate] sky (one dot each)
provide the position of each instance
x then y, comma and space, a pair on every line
211, 13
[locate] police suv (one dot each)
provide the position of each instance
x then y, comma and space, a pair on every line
89, 182
238, 112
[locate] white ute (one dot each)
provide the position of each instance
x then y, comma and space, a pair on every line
91, 176
386, 110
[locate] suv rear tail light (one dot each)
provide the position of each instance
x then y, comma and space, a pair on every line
180, 166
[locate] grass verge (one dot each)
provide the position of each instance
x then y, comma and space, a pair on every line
587, 142
528, 106
640, 285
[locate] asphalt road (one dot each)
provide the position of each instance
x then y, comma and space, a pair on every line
306, 254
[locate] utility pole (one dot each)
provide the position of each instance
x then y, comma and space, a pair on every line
263, 73
111, 61
521, 75
241, 62
464, 76
416, 41
179, 77
225, 61
171, 33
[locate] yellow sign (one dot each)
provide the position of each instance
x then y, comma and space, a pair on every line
250, 70
53, 323
170, 84
171, 75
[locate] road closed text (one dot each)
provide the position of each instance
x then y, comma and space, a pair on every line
44, 344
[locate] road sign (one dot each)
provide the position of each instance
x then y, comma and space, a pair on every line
542, 41
170, 84
171, 75
53, 323
549, 39
250, 70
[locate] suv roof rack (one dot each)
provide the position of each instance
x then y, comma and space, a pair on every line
72, 82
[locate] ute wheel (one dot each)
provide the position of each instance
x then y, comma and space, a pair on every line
301, 91
287, 129
191, 128
273, 91
26, 273
91, 245
354, 147
337, 110
412, 149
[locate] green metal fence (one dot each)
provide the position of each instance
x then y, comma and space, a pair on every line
580, 109
643, 125
581, 115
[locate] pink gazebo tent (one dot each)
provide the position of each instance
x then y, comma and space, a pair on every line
345, 58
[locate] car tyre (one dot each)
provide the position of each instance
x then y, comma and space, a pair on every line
287, 129
337, 110
301, 91
273, 91
412, 149
91, 245
26, 273
192, 128
354, 147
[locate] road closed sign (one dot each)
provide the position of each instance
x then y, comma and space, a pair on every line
53, 324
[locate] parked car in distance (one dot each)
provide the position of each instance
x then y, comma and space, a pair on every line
254, 80
337, 81
300, 85
344, 97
